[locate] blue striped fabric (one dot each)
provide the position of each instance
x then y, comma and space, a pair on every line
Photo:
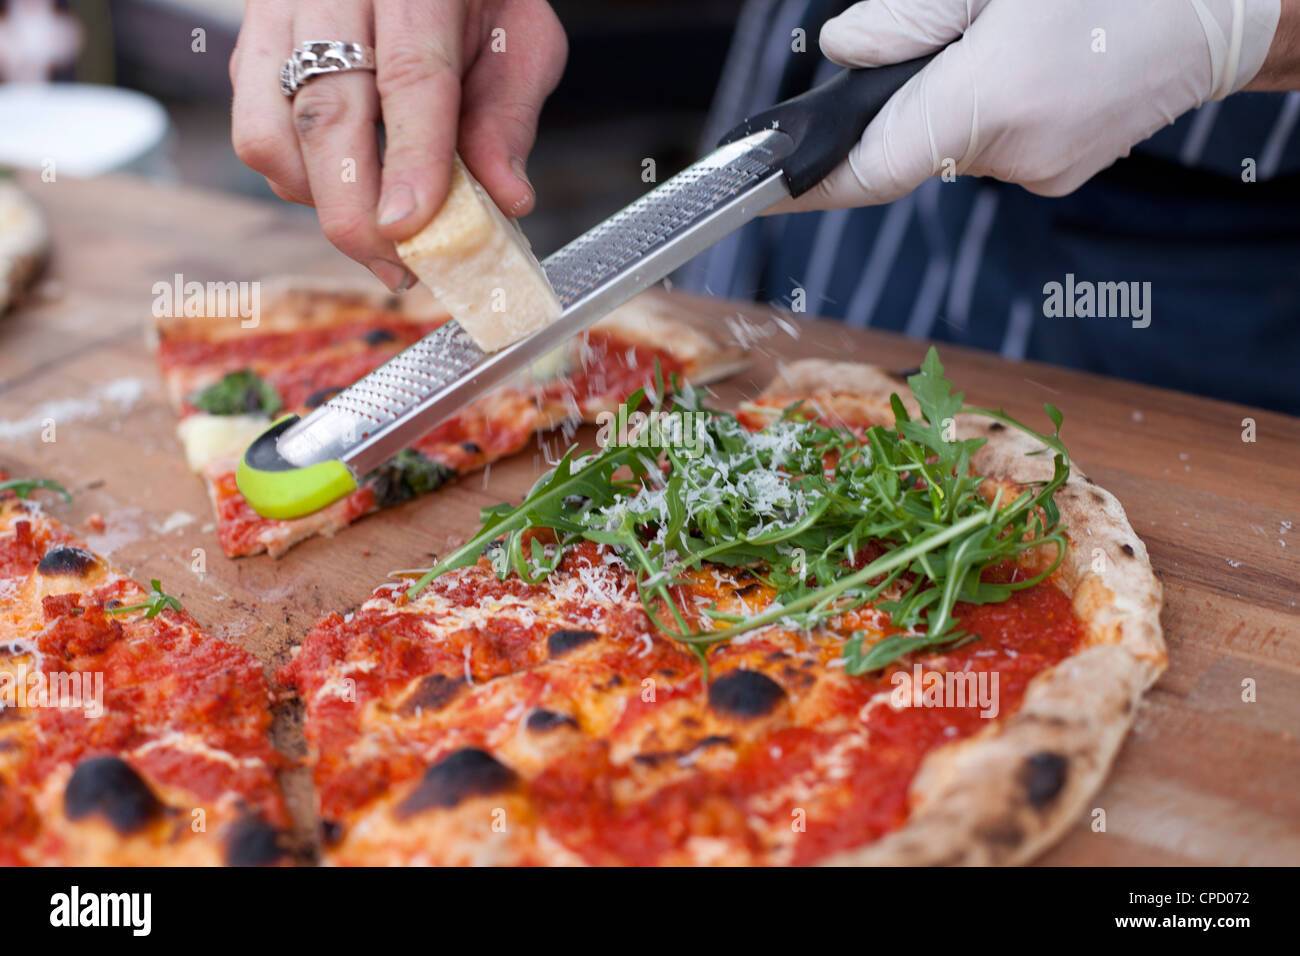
968, 261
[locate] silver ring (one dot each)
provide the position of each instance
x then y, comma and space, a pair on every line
318, 57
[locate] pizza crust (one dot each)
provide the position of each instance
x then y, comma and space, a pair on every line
24, 243
1007, 794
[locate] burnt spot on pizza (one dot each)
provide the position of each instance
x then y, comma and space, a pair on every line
471, 448
331, 832
1127, 549
714, 740
544, 721
67, 560
997, 427
1043, 776
906, 373
492, 546
322, 395
564, 640
109, 787
777, 655
378, 337
251, 841
1097, 498
745, 693
747, 589
1088, 480
655, 758
458, 776
433, 692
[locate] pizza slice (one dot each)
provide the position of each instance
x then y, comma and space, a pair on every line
227, 382
128, 736
848, 625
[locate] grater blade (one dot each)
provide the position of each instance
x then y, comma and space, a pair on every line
367, 423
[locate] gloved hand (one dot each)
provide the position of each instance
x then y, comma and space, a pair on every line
1031, 91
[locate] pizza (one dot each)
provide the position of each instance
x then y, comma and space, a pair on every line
228, 378
24, 242
852, 625
128, 736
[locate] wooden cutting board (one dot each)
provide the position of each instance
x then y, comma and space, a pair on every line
1205, 777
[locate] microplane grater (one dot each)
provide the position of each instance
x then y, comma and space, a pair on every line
367, 423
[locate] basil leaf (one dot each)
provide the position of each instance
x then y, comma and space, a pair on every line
238, 393
406, 475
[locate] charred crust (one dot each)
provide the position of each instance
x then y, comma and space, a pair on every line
378, 337
1127, 549
110, 788
1043, 776
331, 832
471, 447
458, 776
543, 721
251, 841
433, 692
997, 427
564, 640
64, 559
745, 693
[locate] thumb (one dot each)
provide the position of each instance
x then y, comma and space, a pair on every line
879, 32
925, 126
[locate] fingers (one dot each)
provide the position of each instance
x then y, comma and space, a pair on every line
418, 50
877, 32
335, 119
926, 127
261, 123
520, 62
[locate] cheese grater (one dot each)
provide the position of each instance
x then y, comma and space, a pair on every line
299, 466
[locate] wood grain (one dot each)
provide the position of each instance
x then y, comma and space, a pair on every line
1204, 778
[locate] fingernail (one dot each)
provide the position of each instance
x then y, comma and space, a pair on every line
520, 205
398, 202
517, 165
397, 278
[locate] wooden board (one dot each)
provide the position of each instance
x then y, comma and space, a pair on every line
1205, 777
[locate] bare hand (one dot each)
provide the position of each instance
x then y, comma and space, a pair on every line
451, 74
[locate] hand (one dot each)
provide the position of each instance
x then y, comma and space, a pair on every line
1031, 91
439, 86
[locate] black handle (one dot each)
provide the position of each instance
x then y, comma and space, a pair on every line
826, 121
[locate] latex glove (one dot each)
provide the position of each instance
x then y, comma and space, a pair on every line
1026, 95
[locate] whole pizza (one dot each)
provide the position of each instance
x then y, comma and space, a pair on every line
853, 621
849, 625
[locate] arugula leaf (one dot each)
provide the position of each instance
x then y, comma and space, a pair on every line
795, 504
238, 393
157, 602
23, 487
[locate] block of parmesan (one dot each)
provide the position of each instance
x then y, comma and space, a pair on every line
480, 267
